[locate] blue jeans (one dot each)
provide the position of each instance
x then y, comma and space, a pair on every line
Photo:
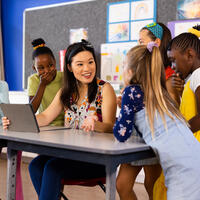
47, 172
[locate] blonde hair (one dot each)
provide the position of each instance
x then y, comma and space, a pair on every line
148, 72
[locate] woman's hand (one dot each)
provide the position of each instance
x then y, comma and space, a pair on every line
89, 122
5, 122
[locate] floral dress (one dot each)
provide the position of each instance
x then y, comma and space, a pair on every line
177, 148
74, 118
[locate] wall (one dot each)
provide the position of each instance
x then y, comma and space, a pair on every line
12, 30
12, 27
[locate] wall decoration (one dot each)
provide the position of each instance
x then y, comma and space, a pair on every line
119, 32
142, 10
136, 27
77, 34
188, 9
181, 26
125, 18
112, 58
62, 59
119, 12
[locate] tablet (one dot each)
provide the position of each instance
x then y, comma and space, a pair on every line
21, 116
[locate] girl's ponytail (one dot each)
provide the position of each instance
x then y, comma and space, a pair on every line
149, 72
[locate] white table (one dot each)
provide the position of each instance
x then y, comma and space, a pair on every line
98, 148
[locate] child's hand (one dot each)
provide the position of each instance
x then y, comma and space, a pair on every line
48, 77
89, 122
5, 122
119, 101
119, 98
178, 83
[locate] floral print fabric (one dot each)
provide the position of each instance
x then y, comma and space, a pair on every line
75, 117
132, 102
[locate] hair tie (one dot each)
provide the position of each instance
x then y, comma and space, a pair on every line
156, 30
150, 46
195, 30
40, 45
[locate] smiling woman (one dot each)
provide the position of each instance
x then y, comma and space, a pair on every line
89, 104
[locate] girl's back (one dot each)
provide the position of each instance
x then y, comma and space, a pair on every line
178, 152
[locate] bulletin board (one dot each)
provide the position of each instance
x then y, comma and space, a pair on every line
53, 24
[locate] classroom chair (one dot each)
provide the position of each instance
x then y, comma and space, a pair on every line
84, 182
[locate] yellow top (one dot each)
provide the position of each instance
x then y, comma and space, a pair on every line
188, 105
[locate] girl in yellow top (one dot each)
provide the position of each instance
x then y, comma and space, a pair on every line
184, 52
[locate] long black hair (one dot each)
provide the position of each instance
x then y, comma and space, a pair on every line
70, 87
40, 48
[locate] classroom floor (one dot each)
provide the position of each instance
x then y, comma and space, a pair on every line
72, 192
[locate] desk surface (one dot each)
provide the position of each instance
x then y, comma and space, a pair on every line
77, 140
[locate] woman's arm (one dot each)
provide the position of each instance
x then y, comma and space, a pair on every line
53, 110
108, 108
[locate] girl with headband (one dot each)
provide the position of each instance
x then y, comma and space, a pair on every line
160, 35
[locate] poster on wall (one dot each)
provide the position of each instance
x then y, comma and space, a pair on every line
115, 9
188, 9
76, 35
125, 18
119, 32
112, 58
142, 10
136, 27
181, 26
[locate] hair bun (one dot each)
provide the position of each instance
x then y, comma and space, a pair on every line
38, 43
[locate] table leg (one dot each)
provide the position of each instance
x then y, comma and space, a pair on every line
110, 182
11, 174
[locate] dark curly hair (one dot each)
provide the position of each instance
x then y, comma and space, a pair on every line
40, 48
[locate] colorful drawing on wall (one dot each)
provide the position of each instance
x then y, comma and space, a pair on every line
178, 27
122, 16
118, 32
142, 9
114, 10
136, 27
188, 9
112, 57
76, 35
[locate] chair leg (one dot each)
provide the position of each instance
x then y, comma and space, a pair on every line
63, 196
102, 186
